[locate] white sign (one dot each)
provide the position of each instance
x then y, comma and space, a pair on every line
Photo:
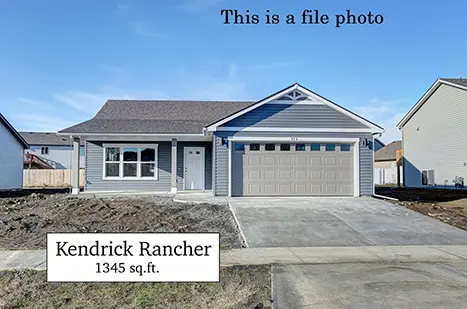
133, 257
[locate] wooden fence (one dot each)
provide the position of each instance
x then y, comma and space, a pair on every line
50, 178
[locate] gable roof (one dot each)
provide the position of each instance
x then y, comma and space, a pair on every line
375, 128
155, 116
46, 139
388, 152
460, 83
13, 131
182, 117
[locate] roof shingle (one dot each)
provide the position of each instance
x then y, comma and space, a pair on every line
135, 116
388, 152
45, 138
458, 81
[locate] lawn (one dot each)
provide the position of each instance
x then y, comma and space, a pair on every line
26, 219
240, 287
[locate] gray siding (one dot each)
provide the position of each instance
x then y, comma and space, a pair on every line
294, 116
433, 139
94, 169
221, 157
11, 160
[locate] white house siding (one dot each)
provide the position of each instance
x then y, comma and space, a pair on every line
11, 160
60, 156
434, 139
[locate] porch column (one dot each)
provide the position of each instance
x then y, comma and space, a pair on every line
174, 166
75, 166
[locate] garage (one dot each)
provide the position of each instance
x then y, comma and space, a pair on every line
297, 169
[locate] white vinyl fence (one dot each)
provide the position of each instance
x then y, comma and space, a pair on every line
49, 178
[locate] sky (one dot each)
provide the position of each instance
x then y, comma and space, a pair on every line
61, 60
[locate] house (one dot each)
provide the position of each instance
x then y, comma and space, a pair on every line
12, 146
434, 149
48, 148
387, 169
293, 142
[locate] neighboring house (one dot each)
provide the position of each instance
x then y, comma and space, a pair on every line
387, 170
51, 148
293, 142
433, 137
378, 144
12, 147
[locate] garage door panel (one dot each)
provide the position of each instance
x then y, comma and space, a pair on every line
315, 175
285, 174
285, 161
289, 173
270, 175
285, 189
330, 174
300, 174
300, 161
254, 174
270, 160
270, 189
330, 160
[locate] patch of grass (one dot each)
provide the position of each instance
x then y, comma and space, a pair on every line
460, 205
240, 287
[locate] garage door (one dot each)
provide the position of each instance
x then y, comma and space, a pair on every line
298, 169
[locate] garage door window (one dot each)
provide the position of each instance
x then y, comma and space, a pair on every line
270, 147
300, 147
315, 147
330, 147
345, 147
285, 147
254, 147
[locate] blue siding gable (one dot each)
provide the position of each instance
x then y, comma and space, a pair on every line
295, 116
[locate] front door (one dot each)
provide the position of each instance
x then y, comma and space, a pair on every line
194, 168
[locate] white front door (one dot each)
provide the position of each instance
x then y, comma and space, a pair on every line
194, 168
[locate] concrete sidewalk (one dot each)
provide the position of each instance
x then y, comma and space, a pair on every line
308, 255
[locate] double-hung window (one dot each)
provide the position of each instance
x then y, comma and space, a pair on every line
130, 161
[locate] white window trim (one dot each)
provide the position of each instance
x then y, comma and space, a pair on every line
138, 162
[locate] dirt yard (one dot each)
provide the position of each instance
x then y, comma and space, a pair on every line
448, 206
245, 287
26, 219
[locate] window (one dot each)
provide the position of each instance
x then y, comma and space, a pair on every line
345, 147
300, 147
81, 151
330, 147
148, 162
315, 147
239, 147
44, 150
130, 161
270, 147
285, 147
428, 178
254, 147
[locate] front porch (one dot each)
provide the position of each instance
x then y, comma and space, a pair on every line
140, 166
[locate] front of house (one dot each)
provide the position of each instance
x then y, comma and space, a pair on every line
292, 143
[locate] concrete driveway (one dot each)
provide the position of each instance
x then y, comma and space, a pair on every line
308, 222
369, 286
